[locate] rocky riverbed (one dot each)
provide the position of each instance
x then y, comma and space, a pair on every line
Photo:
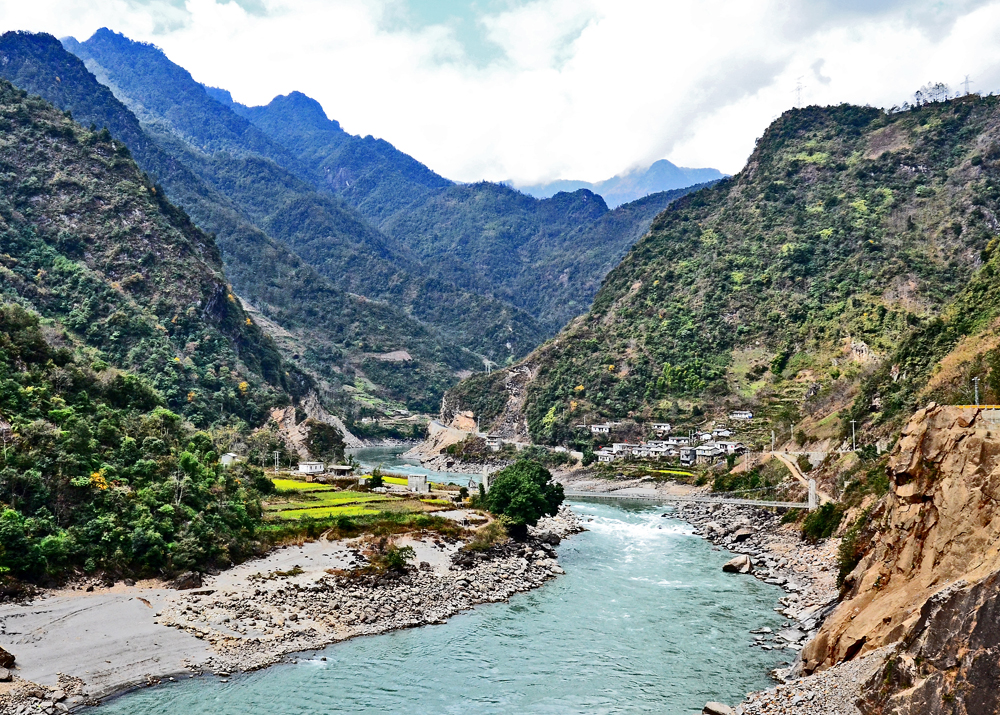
297, 598
776, 554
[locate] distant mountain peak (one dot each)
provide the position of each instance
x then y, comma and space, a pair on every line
661, 175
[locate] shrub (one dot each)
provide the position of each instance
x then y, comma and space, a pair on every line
524, 492
822, 523
489, 534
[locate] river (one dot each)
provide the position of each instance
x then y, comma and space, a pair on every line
391, 459
644, 621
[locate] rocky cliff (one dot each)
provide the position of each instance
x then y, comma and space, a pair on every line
931, 573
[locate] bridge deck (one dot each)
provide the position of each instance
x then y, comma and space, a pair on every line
662, 498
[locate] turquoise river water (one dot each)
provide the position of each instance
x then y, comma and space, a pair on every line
391, 459
644, 621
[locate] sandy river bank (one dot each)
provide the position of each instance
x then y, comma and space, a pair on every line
75, 647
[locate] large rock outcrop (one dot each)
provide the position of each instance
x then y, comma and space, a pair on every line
929, 578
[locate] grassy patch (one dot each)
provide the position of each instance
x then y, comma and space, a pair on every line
294, 485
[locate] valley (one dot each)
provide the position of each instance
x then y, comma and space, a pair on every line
641, 444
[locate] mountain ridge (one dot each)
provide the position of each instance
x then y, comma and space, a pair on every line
661, 175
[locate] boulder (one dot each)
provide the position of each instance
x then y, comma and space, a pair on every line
740, 564
6, 659
717, 709
550, 538
186, 581
742, 535
5, 675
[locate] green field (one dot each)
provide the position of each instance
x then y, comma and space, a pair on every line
294, 485
324, 501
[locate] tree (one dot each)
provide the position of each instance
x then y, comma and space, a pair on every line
524, 492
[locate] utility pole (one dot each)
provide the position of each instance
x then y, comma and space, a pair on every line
772, 441
975, 380
854, 436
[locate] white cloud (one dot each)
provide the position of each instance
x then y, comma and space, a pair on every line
579, 89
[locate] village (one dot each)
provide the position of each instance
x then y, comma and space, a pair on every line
705, 447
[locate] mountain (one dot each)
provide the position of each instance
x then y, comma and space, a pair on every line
89, 243
484, 237
849, 233
279, 196
622, 189
330, 333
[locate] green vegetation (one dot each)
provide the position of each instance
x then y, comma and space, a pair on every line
488, 535
96, 473
129, 275
850, 228
822, 523
523, 492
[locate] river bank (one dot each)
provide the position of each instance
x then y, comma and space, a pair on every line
76, 646
775, 554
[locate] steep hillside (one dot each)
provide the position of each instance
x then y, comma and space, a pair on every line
786, 285
926, 571
281, 197
88, 241
327, 331
94, 472
660, 176
545, 257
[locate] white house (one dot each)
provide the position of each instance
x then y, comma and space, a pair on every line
417, 483
732, 447
704, 437
688, 456
741, 415
622, 448
660, 427
310, 467
494, 442
707, 453
721, 432
605, 456
228, 459
600, 429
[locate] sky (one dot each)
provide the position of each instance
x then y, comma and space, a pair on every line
530, 91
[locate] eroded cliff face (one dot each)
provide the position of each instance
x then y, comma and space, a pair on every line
929, 577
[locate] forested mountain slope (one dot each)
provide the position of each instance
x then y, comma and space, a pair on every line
786, 285
546, 257
328, 330
280, 197
89, 242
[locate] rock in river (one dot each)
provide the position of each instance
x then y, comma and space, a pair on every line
741, 564
6, 659
716, 709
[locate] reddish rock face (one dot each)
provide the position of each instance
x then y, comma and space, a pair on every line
939, 524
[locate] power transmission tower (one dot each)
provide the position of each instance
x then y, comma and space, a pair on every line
277, 455
798, 92
967, 82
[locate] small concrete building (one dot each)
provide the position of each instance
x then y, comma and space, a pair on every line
605, 456
417, 483
600, 429
494, 442
229, 459
741, 415
660, 427
688, 456
311, 467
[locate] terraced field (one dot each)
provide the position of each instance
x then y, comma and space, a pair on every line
303, 500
